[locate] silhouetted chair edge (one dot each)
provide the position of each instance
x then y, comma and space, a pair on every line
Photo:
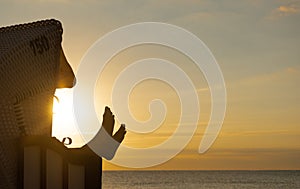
46, 163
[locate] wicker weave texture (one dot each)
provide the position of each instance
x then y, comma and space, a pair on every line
29, 65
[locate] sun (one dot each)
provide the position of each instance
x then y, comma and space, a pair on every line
63, 124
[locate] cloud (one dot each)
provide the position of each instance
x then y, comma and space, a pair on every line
288, 9
202, 89
285, 10
260, 133
293, 70
283, 76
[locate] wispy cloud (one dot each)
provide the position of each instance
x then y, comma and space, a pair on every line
259, 133
290, 9
202, 89
285, 10
293, 70
284, 75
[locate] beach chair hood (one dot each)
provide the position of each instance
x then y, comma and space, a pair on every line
29, 68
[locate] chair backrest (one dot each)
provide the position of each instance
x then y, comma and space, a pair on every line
29, 68
46, 163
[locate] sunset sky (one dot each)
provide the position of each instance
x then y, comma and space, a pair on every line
257, 46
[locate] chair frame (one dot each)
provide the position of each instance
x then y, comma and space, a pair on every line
78, 156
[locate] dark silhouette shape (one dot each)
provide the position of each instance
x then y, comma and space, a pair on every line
32, 66
108, 124
46, 163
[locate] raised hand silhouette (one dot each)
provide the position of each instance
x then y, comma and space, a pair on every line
109, 123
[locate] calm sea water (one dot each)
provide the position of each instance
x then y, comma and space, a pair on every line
201, 179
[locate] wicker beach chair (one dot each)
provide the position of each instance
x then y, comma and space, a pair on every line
29, 67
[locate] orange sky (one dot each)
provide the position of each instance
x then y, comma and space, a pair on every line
256, 44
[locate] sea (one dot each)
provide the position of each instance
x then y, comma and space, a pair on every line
201, 179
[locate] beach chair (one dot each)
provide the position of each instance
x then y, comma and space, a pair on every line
30, 56
46, 163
